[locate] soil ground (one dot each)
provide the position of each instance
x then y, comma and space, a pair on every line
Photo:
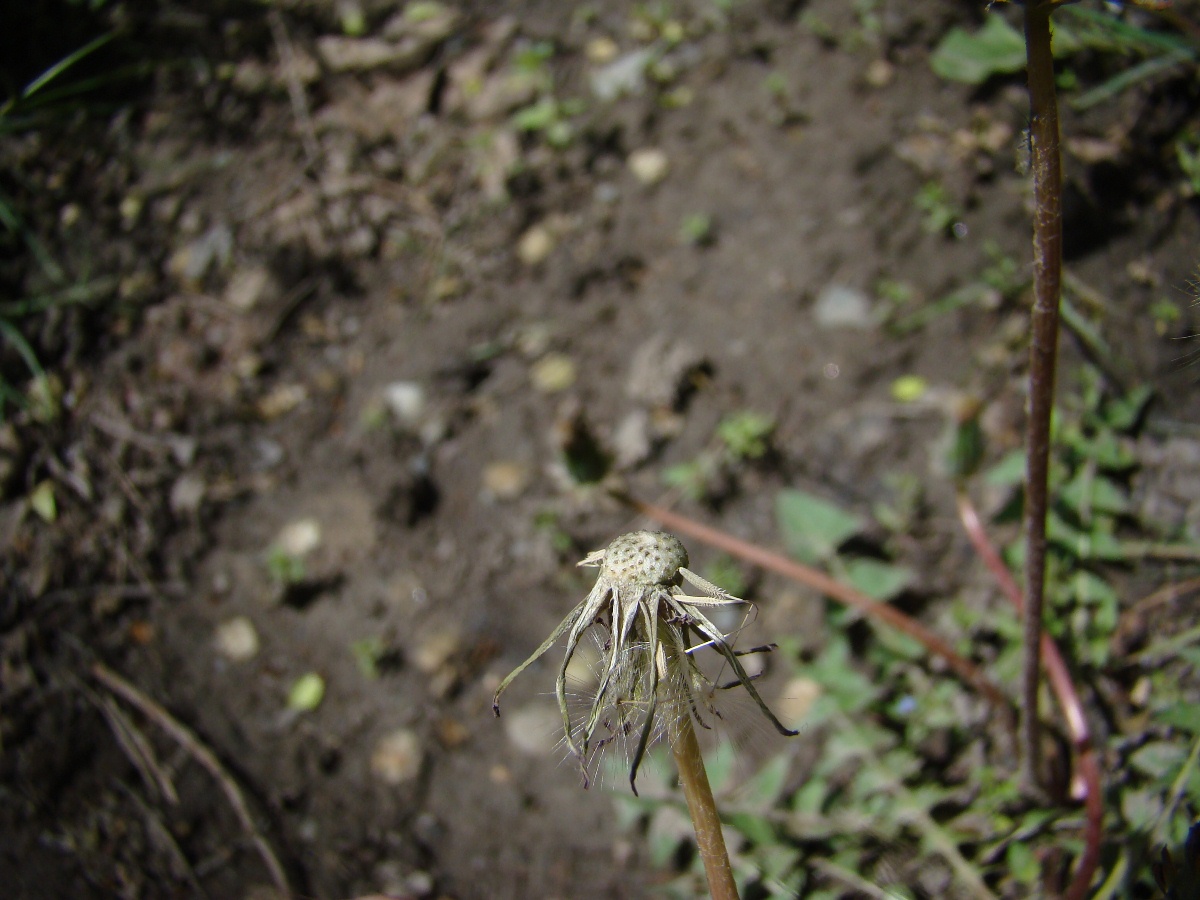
358, 325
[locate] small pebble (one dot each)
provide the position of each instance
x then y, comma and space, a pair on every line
533, 729
282, 400
435, 651
452, 733
397, 757
601, 50
839, 306
552, 373
879, 73
299, 538
535, 245
187, 493
649, 165
237, 639
406, 401
248, 287
505, 480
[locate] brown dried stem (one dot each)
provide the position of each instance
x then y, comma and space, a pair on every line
1046, 164
1064, 692
705, 819
205, 757
830, 587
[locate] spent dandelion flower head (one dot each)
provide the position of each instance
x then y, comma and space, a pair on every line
648, 680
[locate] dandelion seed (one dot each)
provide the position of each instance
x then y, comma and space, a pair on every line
649, 683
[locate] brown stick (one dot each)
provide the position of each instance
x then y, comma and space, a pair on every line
705, 820
830, 587
1043, 351
205, 757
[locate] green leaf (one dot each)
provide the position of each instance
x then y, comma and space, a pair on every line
1023, 864
756, 829
812, 528
746, 433
966, 448
995, 49
1184, 716
1094, 544
1141, 808
538, 116
1123, 414
719, 765
810, 798
761, 791
1105, 449
307, 692
366, 655
1158, 759
878, 580
1090, 589
898, 643
1008, 472
42, 501
1088, 494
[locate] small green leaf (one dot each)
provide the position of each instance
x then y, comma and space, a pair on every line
366, 655
1184, 716
42, 501
719, 765
1123, 414
1158, 759
1023, 864
812, 528
878, 580
1008, 472
307, 692
995, 49
761, 791
966, 448
1091, 494
696, 230
692, 478
909, 388
1090, 589
1141, 808
746, 434
756, 829
538, 116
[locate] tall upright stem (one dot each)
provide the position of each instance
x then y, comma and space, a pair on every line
1043, 350
705, 820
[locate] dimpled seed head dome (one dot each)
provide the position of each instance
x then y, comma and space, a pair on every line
644, 557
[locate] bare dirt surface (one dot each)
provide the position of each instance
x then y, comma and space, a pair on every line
360, 323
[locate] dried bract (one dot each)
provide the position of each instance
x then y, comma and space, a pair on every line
648, 675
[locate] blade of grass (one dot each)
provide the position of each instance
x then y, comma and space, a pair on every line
12, 220
65, 63
10, 333
80, 294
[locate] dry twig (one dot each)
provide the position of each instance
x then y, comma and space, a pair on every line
205, 757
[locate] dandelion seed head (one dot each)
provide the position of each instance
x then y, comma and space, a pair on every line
644, 558
647, 630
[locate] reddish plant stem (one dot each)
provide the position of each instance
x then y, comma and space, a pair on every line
1043, 350
1064, 692
830, 587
